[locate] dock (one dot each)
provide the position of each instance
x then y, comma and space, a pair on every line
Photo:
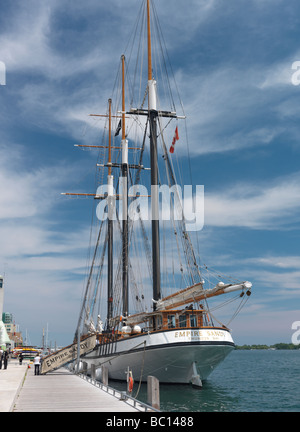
58, 391
11, 380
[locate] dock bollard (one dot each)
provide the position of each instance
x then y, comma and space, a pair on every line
93, 371
105, 375
84, 368
153, 397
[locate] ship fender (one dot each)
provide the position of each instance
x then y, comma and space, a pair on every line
136, 330
126, 331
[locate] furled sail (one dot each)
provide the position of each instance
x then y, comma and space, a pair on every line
196, 293
186, 296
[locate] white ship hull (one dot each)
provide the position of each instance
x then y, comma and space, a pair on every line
172, 356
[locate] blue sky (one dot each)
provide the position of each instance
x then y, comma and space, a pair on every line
233, 65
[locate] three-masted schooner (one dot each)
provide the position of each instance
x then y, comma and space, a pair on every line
175, 339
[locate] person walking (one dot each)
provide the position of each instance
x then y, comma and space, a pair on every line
20, 358
5, 359
1, 357
37, 364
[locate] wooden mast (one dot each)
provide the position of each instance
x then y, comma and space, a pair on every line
154, 169
149, 42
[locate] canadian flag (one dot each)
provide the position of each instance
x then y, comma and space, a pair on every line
175, 138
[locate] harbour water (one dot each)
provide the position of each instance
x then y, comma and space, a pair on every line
247, 381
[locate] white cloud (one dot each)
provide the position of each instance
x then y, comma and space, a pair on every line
264, 206
285, 284
222, 102
24, 44
225, 109
26, 192
280, 262
279, 74
27, 45
36, 237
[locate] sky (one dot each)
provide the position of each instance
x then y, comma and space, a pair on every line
234, 62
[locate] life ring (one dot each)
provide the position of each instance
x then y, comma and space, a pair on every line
130, 384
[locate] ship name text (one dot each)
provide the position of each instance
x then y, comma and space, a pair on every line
196, 334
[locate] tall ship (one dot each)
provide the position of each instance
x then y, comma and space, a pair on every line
148, 297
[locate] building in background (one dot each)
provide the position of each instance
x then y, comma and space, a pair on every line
1, 295
10, 335
13, 330
4, 338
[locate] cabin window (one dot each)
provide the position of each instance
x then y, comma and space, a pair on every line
171, 321
182, 320
193, 319
158, 321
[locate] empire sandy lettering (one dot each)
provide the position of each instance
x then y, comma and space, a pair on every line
198, 333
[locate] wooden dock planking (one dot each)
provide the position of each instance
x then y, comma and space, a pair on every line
62, 391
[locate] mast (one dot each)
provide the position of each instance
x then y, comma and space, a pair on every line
124, 200
110, 202
154, 168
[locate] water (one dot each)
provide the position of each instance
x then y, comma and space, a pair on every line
257, 381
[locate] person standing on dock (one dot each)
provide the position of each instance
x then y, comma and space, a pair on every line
1, 356
5, 359
37, 364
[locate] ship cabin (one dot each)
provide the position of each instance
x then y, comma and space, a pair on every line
178, 319
187, 318
166, 320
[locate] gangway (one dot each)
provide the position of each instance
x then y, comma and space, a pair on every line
67, 354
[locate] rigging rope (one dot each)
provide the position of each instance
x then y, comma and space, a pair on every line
142, 370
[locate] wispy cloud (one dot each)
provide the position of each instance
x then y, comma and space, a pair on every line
230, 110
265, 206
27, 44
26, 193
280, 262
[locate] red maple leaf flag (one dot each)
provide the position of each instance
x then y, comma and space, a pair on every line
175, 138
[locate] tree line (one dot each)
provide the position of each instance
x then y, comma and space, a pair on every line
278, 346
